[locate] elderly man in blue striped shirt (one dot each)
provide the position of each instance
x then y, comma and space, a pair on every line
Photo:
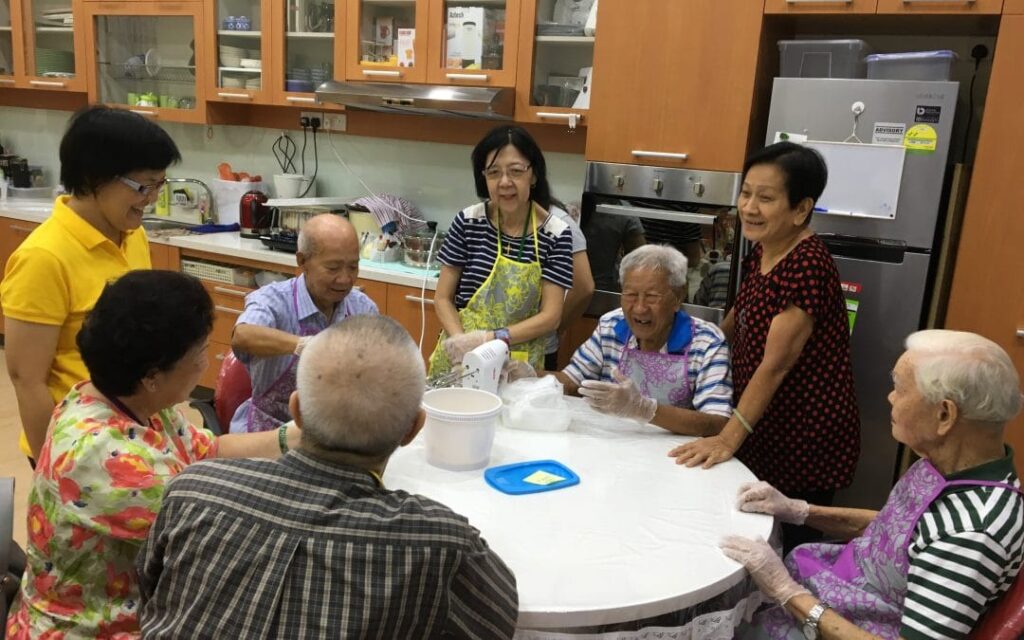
649, 360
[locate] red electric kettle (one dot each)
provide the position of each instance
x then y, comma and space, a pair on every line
253, 214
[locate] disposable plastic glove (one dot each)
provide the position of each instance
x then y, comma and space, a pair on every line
517, 370
620, 398
761, 497
460, 345
764, 565
303, 341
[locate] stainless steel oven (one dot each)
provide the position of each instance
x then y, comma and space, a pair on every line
626, 206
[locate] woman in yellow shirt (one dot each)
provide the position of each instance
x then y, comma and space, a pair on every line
112, 163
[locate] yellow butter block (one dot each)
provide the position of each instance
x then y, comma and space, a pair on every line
542, 478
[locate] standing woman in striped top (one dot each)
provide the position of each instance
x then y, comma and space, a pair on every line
506, 262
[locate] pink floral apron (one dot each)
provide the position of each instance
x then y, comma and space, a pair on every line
865, 581
269, 410
662, 376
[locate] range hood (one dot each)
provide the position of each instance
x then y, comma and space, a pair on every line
435, 100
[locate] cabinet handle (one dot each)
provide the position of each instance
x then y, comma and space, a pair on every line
6, 81
640, 153
21, 229
1020, 333
240, 96
144, 112
46, 83
302, 99
234, 312
940, 1
220, 357
418, 299
560, 116
480, 77
657, 214
389, 74
229, 292
819, 1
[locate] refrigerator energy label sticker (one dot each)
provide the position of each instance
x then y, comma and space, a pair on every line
888, 133
851, 312
920, 139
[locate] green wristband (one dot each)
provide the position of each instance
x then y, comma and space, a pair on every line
282, 438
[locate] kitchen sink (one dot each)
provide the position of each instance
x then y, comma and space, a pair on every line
161, 225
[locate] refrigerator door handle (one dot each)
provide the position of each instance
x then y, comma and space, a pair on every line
657, 214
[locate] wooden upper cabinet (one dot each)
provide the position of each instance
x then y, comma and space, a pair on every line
377, 33
307, 41
47, 43
985, 296
820, 6
1013, 7
239, 44
473, 43
143, 57
940, 6
551, 70
10, 42
673, 82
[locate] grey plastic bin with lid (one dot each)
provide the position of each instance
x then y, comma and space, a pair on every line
912, 65
822, 58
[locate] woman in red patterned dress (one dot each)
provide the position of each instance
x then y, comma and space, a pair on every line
796, 423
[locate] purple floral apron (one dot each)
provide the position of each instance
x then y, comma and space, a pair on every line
662, 376
865, 580
269, 410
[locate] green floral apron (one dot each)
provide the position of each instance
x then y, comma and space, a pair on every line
510, 294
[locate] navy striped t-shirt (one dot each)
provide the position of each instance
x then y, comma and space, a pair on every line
472, 245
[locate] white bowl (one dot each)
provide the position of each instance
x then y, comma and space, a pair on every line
228, 61
234, 83
292, 185
250, 63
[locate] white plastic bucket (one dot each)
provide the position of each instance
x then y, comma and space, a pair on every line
460, 427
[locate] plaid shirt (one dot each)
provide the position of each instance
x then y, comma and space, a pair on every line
298, 547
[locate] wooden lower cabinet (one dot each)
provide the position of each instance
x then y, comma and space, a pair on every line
12, 233
377, 291
215, 355
408, 307
822, 6
941, 7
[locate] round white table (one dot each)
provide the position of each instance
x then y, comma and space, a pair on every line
636, 538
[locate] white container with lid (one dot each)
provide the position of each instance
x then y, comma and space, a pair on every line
912, 65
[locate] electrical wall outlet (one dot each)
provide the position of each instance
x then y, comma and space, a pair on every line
313, 114
334, 121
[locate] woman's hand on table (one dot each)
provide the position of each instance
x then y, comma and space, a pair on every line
707, 451
459, 345
764, 566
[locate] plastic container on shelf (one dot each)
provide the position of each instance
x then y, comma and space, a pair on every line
822, 58
31, 192
912, 65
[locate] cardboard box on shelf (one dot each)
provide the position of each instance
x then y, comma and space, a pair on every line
473, 32
404, 44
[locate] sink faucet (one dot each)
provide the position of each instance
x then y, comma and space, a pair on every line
204, 197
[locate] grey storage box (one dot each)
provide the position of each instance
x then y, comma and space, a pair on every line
822, 58
913, 65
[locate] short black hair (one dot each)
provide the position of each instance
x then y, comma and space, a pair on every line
803, 169
497, 139
144, 321
102, 143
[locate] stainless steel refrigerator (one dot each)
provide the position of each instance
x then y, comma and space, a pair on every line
883, 260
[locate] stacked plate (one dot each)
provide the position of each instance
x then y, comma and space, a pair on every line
253, 83
54, 61
232, 56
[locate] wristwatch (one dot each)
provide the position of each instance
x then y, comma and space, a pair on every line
503, 335
810, 626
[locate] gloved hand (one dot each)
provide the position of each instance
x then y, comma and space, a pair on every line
761, 497
303, 341
460, 345
764, 565
517, 370
620, 398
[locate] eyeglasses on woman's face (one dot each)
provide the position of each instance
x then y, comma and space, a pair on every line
144, 190
514, 172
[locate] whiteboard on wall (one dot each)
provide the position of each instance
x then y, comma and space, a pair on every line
863, 179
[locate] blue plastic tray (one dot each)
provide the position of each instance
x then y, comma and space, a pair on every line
509, 478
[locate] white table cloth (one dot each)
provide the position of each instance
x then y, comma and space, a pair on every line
636, 538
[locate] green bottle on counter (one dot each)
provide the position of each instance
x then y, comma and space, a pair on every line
163, 202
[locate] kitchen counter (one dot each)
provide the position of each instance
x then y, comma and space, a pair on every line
231, 244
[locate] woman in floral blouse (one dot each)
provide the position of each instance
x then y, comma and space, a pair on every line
112, 445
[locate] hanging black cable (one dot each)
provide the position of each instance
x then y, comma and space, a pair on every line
979, 53
316, 166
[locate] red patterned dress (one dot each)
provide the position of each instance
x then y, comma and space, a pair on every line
809, 437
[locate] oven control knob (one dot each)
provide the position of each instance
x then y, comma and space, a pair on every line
657, 185
620, 181
698, 189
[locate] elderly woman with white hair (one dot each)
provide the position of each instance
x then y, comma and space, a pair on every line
950, 538
649, 360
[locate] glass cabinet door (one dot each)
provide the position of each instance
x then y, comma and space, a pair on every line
562, 62
6, 45
476, 42
148, 62
387, 40
308, 46
243, 49
50, 43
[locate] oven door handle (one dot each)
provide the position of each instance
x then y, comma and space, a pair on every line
657, 214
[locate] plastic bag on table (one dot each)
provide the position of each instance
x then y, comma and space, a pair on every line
535, 404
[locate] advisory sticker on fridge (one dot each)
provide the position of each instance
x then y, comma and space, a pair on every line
888, 133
